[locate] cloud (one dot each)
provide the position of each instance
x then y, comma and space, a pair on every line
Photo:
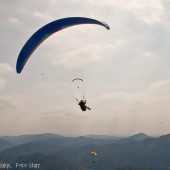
148, 11
8, 105
126, 99
159, 84
153, 100
62, 114
14, 20
45, 85
149, 55
81, 57
150, 94
2, 83
75, 116
42, 15
48, 115
161, 89
5, 68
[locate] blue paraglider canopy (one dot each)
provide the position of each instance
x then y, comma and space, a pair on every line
44, 32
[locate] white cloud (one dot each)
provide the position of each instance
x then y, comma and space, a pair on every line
14, 20
150, 55
125, 98
161, 89
43, 15
9, 104
148, 11
5, 68
151, 94
2, 83
159, 84
82, 56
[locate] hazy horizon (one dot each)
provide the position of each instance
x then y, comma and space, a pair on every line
88, 135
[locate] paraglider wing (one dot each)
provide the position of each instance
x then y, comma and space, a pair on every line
78, 83
44, 32
93, 153
77, 79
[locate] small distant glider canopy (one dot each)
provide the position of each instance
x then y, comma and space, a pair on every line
44, 32
77, 79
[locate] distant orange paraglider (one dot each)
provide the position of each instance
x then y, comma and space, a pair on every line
93, 153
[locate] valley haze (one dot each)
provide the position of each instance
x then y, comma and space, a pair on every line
54, 151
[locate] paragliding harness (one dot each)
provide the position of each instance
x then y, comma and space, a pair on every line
82, 105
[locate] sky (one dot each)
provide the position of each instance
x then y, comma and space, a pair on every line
126, 70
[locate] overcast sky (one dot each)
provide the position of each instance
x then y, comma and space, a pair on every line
126, 70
